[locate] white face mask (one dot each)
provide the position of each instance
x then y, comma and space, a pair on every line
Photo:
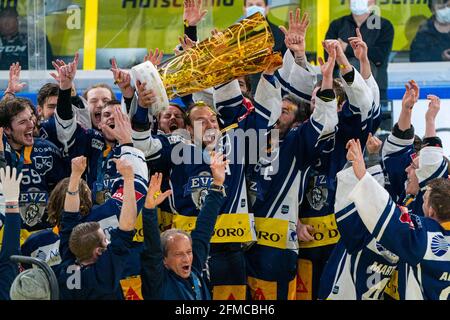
359, 7
443, 15
254, 9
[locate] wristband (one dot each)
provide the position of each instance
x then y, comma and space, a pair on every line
73, 193
12, 206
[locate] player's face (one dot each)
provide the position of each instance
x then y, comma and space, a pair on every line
412, 183
179, 255
48, 109
20, 132
107, 119
204, 122
103, 244
96, 99
287, 118
426, 203
242, 85
258, 3
171, 120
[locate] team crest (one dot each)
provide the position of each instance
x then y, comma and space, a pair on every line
43, 164
198, 187
317, 193
32, 207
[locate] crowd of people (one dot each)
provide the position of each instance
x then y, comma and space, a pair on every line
125, 203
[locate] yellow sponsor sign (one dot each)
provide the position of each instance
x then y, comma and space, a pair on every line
292, 293
230, 227
325, 231
24, 234
272, 232
139, 236
261, 289
237, 292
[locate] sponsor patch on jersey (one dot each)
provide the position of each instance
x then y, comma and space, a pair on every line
285, 209
405, 217
118, 195
97, 144
43, 164
439, 245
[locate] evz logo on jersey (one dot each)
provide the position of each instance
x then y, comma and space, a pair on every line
198, 187
43, 164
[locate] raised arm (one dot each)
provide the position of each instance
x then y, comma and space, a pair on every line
128, 214
72, 199
11, 232
14, 84
430, 116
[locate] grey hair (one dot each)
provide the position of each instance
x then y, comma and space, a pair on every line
168, 234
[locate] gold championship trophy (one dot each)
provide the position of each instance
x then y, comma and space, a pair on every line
242, 49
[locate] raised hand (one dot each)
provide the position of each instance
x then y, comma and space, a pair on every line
433, 107
78, 166
373, 144
122, 79
296, 34
14, 84
65, 72
355, 156
154, 57
11, 183
218, 167
154, 195
125, 168
122, 127
328, 67
146, 98
359, 47
411, 95
193, 13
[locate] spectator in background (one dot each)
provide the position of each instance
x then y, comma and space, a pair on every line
376, 31
14, 44
432, 41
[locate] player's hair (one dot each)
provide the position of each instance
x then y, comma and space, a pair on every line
46, 91
99, 85
57, 197
439, 198
338, 89
113, 102
303, 111
169, 234
11, 108
84, 239
197, 104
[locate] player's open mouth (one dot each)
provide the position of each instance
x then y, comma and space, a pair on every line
173, 127
29, 135
98, 116
186, 268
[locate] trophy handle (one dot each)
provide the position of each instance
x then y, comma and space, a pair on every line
146, 72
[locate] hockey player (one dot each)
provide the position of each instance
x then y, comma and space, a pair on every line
100, 147
190, 177
92, 267
420, 241
38, 160
317, 228
359, 267
277, 183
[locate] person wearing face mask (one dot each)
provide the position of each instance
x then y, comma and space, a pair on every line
376, 31
432, 41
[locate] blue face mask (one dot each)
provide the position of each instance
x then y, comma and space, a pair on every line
254, 9
359, 7
443, 15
